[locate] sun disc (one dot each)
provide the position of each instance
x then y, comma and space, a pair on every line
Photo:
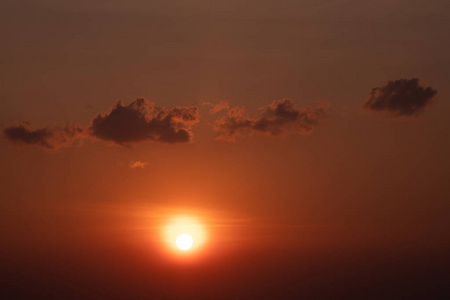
184, 241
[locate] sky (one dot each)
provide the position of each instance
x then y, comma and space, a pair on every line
309, 140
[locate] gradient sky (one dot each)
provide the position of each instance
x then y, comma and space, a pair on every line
324, 147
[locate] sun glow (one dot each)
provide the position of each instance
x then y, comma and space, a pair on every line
184, 233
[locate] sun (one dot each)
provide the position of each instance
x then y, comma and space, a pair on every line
184, 235
184, 242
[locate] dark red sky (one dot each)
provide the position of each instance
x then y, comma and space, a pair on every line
309, 138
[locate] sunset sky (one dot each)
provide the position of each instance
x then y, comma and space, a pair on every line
305, 145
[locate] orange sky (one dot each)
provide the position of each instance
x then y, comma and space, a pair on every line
333, 169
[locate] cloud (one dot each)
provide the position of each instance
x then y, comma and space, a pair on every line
142, 121
137, 164
222, 105
400, 97
279, 118
218, 107
51, 139
139, 121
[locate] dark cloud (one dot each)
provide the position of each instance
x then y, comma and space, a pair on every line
141, 120
125, 125
401, 97
279, 118
51, 139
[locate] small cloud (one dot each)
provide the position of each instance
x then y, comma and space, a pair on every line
50, 139
137, 164
142, 121
279, 118
400, 97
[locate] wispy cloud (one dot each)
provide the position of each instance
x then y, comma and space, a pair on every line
49, 138
219, 107
216, 107
279, 118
